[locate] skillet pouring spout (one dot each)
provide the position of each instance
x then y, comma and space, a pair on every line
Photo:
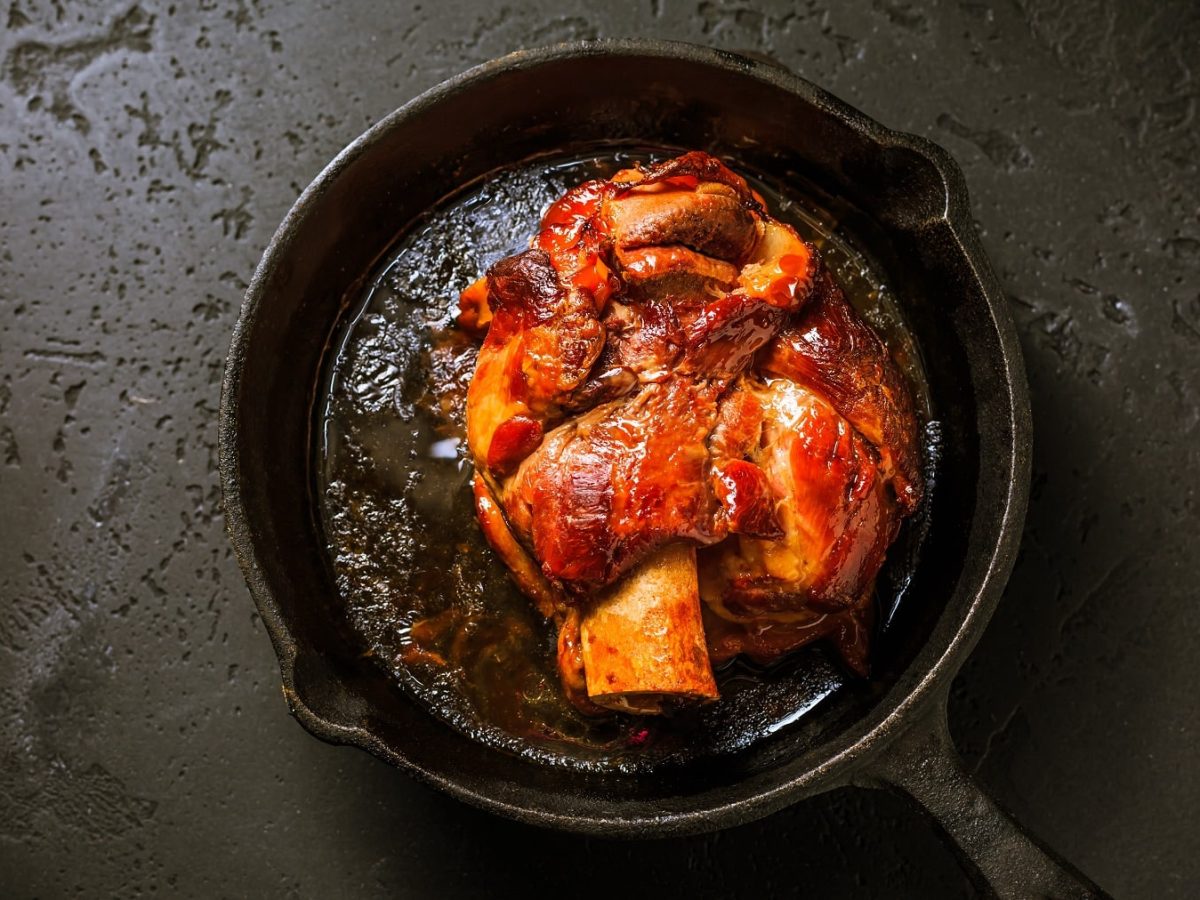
904, 202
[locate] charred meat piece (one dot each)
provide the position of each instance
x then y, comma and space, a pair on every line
687, 444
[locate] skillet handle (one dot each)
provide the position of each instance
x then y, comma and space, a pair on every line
924, 764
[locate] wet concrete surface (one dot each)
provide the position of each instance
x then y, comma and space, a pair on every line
147, 152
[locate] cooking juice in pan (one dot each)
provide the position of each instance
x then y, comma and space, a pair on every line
428, 598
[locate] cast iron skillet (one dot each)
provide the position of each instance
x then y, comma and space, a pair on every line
904, 196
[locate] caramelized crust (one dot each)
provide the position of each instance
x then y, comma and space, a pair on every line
828, 348
836, 518
541, 345
609, 487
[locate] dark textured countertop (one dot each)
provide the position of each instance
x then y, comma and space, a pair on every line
147, 152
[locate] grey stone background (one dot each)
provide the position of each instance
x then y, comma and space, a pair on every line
147, 151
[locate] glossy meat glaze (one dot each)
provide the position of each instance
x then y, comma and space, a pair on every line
688, 444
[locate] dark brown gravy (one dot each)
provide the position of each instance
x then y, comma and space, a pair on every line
426, 595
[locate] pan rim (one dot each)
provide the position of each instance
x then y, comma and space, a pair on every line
857, 742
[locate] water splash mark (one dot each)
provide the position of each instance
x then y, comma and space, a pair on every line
16, 17
71, 394
1060, 333
905, 15
91, 800
44, 72
1083, 36
150, 135
90, 358
211, 308
1002, 149
242, 16
235, 220
1185, 320
1115, 309
403, 40
509, 27
9, 448
1077, 353
1184, 248
115, 488
725, 18
43, 616
203, 139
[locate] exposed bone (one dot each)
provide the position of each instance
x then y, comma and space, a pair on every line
643, 640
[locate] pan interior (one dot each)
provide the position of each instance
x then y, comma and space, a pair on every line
897, 198
425, 597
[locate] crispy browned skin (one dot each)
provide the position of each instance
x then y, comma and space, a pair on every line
837, 519
667, 367
610, 486
828, 348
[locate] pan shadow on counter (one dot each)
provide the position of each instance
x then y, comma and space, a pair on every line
404, 833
